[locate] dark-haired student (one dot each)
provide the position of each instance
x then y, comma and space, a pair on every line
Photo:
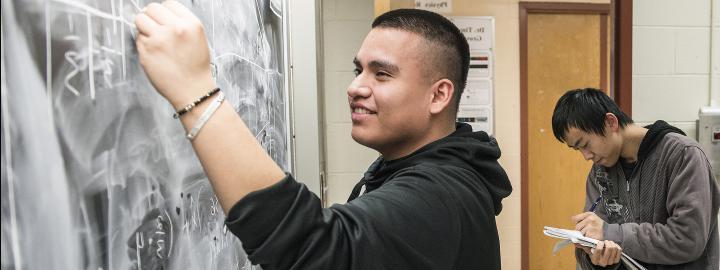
658, 199
430, 200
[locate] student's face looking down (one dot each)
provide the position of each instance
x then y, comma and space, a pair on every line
391, 97
603, 149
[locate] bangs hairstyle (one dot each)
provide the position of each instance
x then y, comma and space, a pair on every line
585, 110
454, 59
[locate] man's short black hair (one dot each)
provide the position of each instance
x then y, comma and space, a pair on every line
585, 110
453, 61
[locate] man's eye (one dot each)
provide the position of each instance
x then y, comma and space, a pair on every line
357, 72
381, 74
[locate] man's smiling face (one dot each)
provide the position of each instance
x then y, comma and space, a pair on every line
391, 94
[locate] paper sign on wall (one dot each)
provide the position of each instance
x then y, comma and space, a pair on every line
478, 117
439, 6
479, 31
480, 64
477, 92
476, 104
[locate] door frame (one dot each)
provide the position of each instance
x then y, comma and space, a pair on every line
620, 76
621, 14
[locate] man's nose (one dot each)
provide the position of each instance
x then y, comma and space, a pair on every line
358, 89
587, 155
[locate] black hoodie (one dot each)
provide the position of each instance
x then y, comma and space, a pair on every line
433, 209
656, 132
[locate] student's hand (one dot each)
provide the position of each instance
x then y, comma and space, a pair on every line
174, 52
589, 224
605, 253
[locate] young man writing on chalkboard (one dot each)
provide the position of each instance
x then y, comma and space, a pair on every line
654, 190
428, 203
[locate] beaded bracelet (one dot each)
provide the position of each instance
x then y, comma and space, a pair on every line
192, 105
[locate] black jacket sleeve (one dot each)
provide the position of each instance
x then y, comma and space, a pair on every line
407, 224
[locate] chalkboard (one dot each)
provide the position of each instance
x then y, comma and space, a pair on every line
96, 174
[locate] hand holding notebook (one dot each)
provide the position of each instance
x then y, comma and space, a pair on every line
576, 237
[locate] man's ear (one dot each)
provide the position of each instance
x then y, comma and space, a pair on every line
442, 96
611, 122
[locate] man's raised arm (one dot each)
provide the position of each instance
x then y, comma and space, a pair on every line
173, 51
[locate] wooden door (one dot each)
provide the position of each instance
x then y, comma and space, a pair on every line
563, 51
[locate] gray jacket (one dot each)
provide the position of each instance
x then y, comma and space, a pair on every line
665, 214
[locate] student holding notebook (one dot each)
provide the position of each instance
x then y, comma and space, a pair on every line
657, 196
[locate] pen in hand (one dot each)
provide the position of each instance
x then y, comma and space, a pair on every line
595, 204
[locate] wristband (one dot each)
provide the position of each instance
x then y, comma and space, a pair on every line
206, 116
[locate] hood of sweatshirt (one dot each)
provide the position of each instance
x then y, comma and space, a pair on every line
655, 133
475, 151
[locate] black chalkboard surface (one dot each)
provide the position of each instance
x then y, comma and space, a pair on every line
96, 174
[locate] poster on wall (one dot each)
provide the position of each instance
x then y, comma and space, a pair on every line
479, 30
476, 104
480, 66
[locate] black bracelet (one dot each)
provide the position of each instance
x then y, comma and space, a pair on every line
195, 103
